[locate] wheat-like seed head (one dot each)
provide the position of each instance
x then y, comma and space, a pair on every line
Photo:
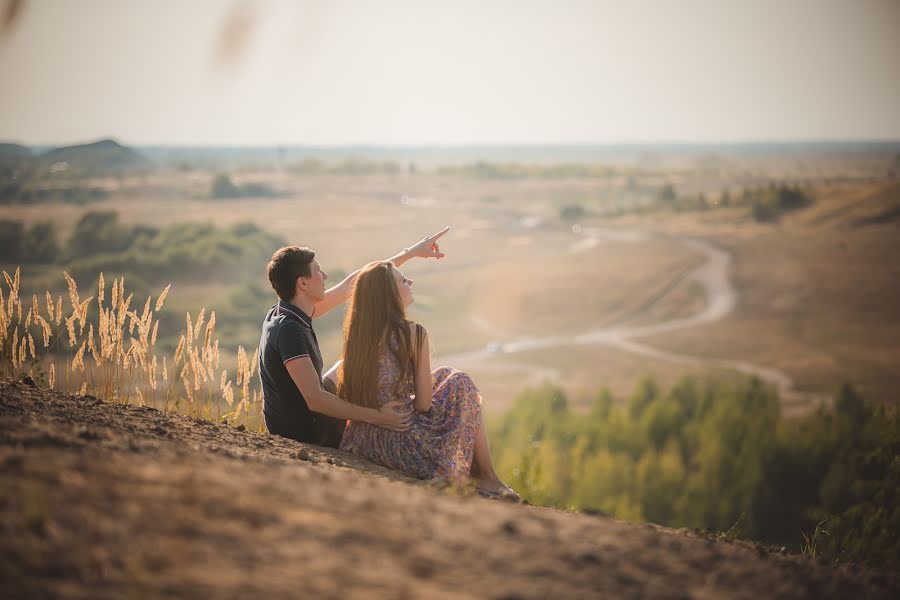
123, 307
103, 332
15, 343
23, 350
58, 316
28, 319
34, 305
152, 373
198, 324
32, 347
209, 329
188, 388
146, 310
145, 329
73, 292
244, 370
98, 356
153, 337
197, 369
70, 328
13, 283
45, 329
189, 329
255, 362
114, 296
132, 321
178, 351
52, 375
49, 305
162, 298
82, 314
165, 373
13, 300
136, 352
101, 288
78, 361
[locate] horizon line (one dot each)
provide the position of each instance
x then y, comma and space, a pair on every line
472, 145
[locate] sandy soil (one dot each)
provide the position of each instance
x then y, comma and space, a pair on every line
110, 501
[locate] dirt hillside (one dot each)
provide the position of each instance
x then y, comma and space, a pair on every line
109, 501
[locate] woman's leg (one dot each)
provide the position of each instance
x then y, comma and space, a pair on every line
483, 466
465, 391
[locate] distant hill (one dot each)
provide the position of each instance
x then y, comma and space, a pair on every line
97, 158
13, 156
13, 150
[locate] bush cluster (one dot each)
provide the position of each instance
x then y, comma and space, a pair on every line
193, 251
37, 244
101, 243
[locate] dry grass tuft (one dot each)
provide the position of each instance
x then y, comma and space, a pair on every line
116, 358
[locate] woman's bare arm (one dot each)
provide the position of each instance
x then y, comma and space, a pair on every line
335, 296
422, 402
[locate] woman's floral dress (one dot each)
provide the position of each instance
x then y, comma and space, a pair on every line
439, 442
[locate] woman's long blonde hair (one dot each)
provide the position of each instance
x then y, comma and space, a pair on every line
375, 314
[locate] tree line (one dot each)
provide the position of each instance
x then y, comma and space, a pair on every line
717, 457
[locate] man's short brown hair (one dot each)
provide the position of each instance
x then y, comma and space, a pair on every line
286, 266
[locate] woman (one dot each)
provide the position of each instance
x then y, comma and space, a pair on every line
386, 357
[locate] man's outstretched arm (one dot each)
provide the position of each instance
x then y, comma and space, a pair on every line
335, 296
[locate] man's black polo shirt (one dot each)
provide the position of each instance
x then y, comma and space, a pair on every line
287, 335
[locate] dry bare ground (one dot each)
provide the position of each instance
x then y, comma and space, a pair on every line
109, 501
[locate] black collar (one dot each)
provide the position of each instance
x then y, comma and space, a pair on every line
286, 308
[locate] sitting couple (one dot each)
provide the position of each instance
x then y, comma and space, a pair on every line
402, 414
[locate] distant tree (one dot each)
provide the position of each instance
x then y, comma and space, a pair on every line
40, 244
667, 194
725, 198
571, 212
702, 202
223, 187
98, 232
894, 169
12, 235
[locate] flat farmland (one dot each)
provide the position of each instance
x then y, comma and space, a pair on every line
817, 295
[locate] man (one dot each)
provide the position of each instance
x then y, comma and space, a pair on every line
296, 402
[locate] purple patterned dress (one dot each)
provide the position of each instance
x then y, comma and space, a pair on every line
439, 442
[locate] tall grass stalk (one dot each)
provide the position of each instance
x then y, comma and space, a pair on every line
808, 547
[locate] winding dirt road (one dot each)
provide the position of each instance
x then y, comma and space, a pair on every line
721, 299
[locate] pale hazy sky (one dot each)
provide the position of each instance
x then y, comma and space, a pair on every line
454, 72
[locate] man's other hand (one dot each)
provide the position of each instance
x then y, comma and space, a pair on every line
395, 416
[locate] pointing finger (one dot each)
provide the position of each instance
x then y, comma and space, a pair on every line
440, 233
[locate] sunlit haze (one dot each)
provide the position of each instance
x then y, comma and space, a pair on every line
398, 72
